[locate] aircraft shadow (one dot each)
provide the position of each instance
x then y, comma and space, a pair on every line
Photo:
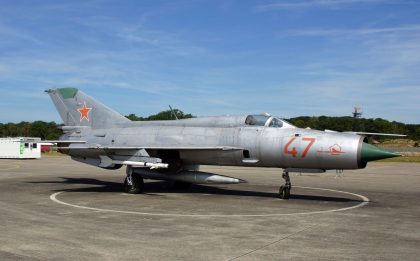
151, 188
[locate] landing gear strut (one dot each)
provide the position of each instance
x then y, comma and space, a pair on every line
284, 191
133, 183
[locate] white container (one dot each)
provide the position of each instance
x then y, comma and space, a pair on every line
20, 148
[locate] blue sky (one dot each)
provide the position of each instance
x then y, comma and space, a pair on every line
289, 58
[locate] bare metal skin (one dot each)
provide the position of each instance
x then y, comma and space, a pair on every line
173, 150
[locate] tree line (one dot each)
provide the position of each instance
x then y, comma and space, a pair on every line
42, 129
353, 124
50, 131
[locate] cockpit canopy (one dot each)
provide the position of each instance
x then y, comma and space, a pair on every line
256, 120
266, 120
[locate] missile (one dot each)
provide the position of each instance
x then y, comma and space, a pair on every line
195, 177
108, 162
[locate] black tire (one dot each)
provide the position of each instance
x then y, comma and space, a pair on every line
284, 192
181, 185
137, 187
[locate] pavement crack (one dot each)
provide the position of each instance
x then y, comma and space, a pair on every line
272, 243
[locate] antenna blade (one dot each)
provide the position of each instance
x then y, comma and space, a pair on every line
173, 113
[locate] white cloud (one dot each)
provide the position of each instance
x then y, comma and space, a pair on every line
329, 4
139, 35
356, 32
9, 34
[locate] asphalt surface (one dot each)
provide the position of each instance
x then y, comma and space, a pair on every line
58, 209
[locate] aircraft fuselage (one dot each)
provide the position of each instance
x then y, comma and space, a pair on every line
262, 146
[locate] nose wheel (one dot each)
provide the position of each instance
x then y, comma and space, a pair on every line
284, 191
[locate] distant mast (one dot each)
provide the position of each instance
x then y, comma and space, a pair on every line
357, 112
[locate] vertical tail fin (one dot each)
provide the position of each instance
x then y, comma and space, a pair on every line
78, 109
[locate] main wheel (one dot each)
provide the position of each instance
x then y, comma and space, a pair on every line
137, 184
284, 192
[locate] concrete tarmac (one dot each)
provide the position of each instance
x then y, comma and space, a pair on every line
58, 209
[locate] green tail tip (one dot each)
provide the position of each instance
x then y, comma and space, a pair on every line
371, 153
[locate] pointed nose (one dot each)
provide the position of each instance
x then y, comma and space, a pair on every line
370, 153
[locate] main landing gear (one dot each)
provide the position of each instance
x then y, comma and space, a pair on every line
133, 183
284, 191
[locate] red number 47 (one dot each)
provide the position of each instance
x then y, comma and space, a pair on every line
294, 151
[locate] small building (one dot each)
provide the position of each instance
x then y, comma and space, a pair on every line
20, 148
46, 146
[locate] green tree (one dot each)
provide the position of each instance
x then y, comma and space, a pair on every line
163, 115
352, 124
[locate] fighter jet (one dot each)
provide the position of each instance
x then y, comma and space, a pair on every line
173, 150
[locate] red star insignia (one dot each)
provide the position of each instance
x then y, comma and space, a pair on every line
84, 112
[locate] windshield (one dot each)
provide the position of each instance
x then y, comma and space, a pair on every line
276, 123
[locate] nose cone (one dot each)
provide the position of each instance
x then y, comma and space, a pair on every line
370, 153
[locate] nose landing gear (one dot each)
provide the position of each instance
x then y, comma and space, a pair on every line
284, 191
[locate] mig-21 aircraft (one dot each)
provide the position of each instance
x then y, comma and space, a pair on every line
173, 150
